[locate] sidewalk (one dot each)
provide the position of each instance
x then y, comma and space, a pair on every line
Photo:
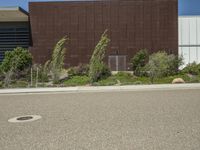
103, 88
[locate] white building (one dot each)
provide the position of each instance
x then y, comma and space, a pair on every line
189, 38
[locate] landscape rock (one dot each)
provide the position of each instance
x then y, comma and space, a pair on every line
63, 76
49, 84
178, 81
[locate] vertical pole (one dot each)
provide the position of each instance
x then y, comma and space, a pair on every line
31, 77
117, 63
189, 40
36, 78
197, 59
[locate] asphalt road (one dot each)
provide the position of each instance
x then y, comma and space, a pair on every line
151, 120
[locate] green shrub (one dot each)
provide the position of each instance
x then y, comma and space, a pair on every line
77, 81
18, 59
14, 63
174, 62
139, 61
192, 68
80, 70
97, 68
161, 65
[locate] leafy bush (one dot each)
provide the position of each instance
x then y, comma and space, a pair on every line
80, 70
139, 61
97, 68
14, 63
161, 65
192, 68
18, 59
174, 62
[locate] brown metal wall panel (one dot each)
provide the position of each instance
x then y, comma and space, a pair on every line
132, 25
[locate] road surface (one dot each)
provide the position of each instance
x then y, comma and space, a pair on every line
137, 120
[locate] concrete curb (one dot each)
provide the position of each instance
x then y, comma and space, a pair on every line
103, 88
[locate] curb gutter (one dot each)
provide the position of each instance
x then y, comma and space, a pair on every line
103, 88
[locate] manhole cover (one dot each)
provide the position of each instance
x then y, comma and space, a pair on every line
27, 118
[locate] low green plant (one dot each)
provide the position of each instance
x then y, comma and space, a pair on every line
194, 80
169, 79
139, 61
137, 82
106, 82
77, 81
124, 78
123, 74
19, 84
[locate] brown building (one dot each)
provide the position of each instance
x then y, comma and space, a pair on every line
132, 25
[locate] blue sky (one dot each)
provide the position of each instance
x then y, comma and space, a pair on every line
186, 7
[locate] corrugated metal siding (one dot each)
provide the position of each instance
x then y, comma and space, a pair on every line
132, 25
189, 38
13, 35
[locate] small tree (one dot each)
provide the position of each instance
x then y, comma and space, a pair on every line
97, 68
57, 61
139, 61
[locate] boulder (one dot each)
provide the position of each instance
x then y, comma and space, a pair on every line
49, 84
64, 75
178, 81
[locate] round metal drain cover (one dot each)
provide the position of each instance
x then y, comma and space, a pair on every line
27, 118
